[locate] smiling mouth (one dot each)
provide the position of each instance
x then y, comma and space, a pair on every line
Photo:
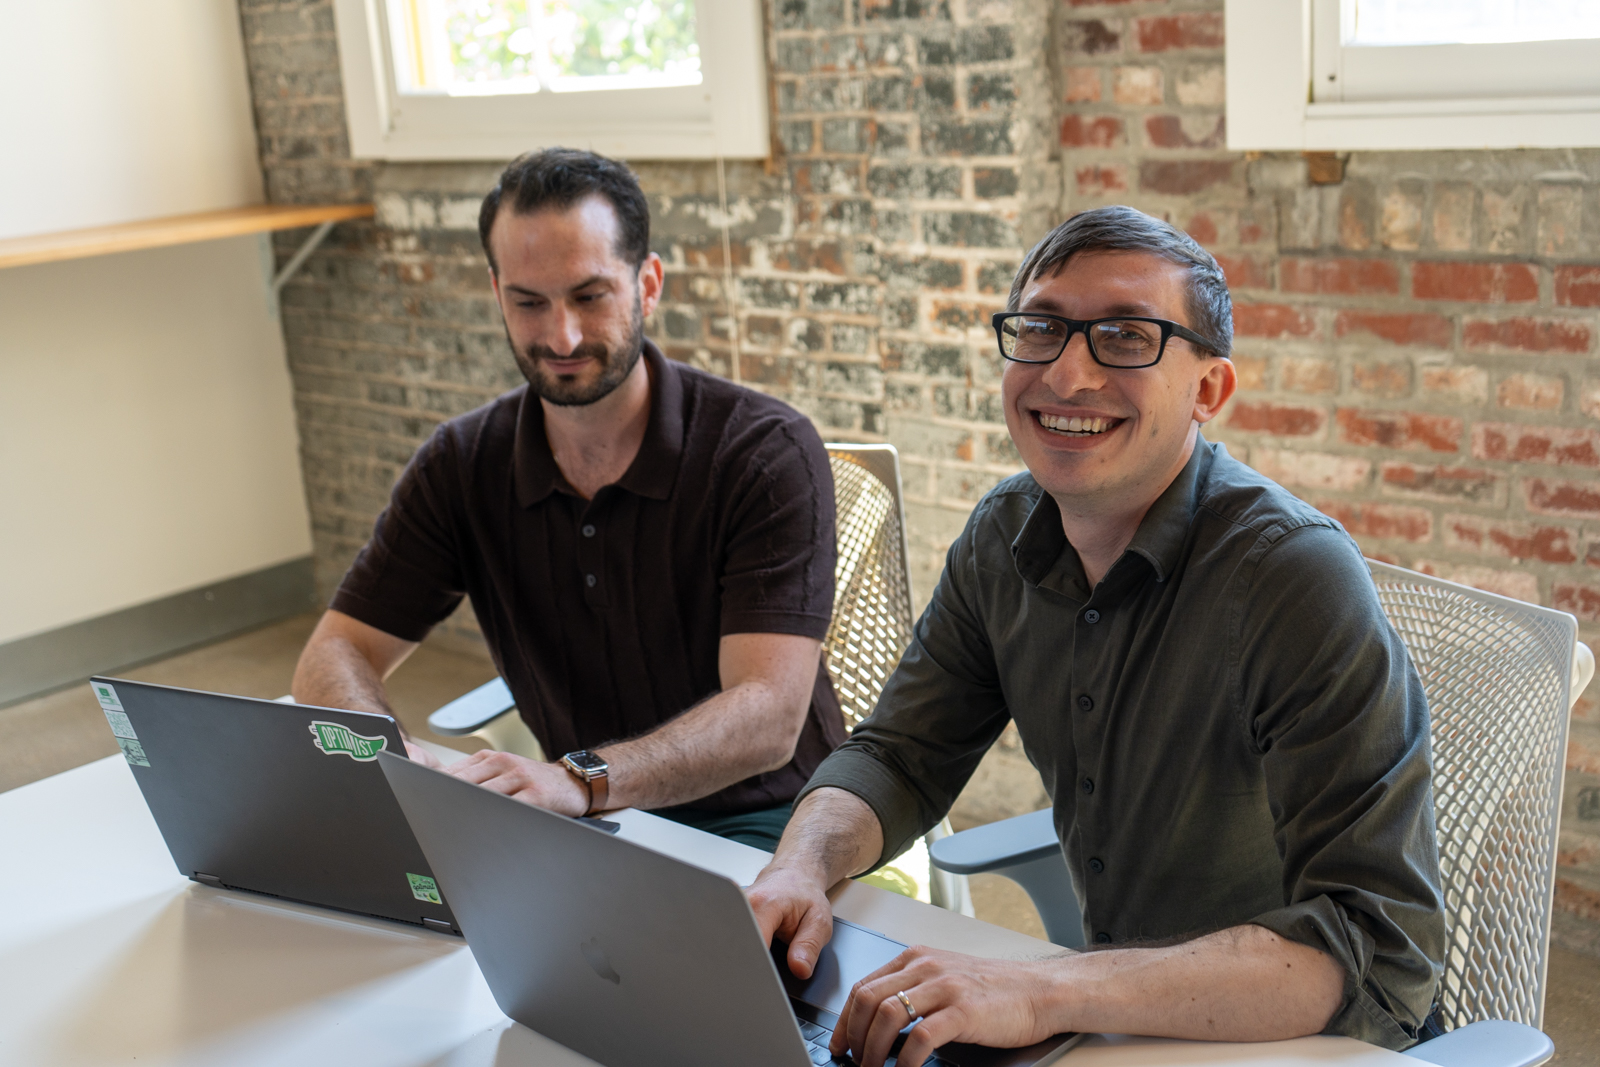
1076, 426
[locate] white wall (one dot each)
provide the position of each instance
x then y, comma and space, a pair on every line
147, 436
116, 110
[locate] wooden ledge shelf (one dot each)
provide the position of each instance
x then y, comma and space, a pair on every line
174, 230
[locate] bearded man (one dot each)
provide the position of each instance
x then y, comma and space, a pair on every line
649, 549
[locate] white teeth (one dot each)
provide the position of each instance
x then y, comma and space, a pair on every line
1075, 424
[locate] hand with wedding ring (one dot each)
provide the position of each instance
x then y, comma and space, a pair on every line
1000, 1003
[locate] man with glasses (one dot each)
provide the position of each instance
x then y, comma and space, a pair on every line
1233, 737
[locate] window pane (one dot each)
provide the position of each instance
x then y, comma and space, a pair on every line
472, 47
1412, 22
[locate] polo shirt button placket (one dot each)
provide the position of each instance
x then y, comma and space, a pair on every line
1102, 938
1091, 616
590, 580
1096, 866
588, 529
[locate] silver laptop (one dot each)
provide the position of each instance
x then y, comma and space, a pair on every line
630, 957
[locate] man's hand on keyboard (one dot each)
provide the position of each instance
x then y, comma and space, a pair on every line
790, 905
1000, 1003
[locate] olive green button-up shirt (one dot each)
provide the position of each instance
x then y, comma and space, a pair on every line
1229, 729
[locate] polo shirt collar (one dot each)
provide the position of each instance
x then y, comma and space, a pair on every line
654, 470
1045, 558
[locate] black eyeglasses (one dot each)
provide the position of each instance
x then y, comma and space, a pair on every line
1126, 343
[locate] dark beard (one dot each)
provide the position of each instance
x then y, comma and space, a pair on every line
615, 366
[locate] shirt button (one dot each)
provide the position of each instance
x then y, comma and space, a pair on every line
590, 579
1085, 702
1088, 785
1102, 938
588, 530
1096, 866
1091, 616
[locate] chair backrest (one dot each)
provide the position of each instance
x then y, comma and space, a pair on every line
872, 585
1497, 673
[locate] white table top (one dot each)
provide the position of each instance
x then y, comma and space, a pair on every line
109, 956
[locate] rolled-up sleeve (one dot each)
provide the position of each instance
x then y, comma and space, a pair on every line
1341, 722
939, 712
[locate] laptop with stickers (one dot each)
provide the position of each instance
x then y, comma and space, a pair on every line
282, 799
631, 957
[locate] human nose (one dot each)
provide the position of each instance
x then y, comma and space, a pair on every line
565, 330
1075, 369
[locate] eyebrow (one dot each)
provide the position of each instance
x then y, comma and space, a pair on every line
1050, 307
596, 279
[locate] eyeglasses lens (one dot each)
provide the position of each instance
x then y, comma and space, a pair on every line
1033, 340
1126, 343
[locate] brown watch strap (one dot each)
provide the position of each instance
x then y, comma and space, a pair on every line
599, 789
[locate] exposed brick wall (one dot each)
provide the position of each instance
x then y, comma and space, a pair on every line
1416, 344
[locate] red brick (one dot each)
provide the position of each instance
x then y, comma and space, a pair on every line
1100, 181
1512, 540
1272, 320
1519, 585
1381, 379
1530, 392
1079, 131
1575, 899
1284, 420
1383, 521
1581, 600
1468, 385
1527, 335
1399, 429
1181, 177
1578, 286
1092, 3
1477, 283
1246, 272
1304, 375
1471, 484
1550, 496
1163, 33
1312, 470
1355, 277
1202, 228
1084, 84
1401, 329
1518, 443
1166, 131
1252, 371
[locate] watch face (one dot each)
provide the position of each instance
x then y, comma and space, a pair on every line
586, 762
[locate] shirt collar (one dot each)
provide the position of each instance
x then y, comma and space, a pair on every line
653, 471
1045, 558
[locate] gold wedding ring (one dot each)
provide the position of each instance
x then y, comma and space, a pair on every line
906, 1002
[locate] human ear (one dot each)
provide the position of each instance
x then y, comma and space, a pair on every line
650, 282
1216, 386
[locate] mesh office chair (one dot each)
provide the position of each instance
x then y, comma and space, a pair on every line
1501, 677
871, 627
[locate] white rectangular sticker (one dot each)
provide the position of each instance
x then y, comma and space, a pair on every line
120, 725
106, 695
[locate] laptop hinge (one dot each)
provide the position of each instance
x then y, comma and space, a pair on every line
207, 879
438, 924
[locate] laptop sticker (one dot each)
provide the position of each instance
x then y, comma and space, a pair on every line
120, 725
336, 740
424, 888
133, 752
106, 695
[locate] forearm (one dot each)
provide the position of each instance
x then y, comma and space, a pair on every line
742, 731
333, 673
832, 835
1241, 984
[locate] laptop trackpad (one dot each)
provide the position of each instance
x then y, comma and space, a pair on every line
854, 953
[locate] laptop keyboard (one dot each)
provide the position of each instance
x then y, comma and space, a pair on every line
817, 1038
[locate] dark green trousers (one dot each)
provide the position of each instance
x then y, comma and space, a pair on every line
760, 828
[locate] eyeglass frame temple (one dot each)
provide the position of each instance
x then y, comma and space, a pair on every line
1168, 330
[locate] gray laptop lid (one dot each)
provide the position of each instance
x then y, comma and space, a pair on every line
632, 958
283, 799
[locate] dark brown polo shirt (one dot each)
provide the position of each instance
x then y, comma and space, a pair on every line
604, 615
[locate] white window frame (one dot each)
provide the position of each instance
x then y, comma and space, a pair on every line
1276, 50
724, 116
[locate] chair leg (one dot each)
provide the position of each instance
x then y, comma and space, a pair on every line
1050, 888
946, 890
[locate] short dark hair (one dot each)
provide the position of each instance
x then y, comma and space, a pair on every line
1124, 229
561, 177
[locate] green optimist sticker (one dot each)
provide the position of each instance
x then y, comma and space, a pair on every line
336, 740
424, 888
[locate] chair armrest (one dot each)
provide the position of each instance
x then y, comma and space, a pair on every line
1007, 843
1490, 1043
473, 711
1582, 669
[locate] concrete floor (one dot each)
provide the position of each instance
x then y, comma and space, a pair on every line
65, 729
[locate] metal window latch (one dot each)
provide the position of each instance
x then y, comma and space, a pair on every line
208, 879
